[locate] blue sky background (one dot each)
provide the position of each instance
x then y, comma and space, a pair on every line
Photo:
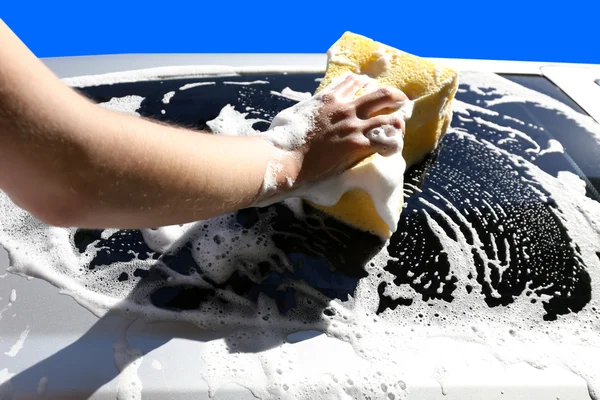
534, 30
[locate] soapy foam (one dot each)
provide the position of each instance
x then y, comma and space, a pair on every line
246, 83
231, 122
163, 238
554, 146
42, 385
447, 328
289, 128
167, 97
4, 309
156, 365
14, 350
270, 183
380, 65
383, 181
292, 94
13, 296
6, 388
197, 84
128, 361
126, 104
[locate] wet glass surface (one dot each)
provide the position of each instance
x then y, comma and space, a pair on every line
508, 223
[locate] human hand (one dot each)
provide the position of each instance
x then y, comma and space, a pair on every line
335, 129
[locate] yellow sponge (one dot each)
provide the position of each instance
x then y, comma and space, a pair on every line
432, 88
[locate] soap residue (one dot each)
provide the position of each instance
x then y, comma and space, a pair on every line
156, 365
167, 97
380, 65
292, 94
382, 178
42, 385
231, 122
6, 389
4, 309
482, 281
554, 146
14, 350
125, 104
338, 55
128, 361
246, 83
197, 84
288, 130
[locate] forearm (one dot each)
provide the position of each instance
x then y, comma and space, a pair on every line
136, 173
108, 169
70, 162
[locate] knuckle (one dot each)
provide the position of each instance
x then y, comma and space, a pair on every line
342, 113
327, 97
386, 92
396, 122
352, 125
352, 78
359, 141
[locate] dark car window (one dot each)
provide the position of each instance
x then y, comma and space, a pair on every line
470, 187
581, 149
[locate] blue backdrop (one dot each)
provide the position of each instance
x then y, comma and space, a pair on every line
507, 30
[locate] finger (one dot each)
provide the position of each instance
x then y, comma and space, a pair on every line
349, 86
339, 83
377, 100
391, 120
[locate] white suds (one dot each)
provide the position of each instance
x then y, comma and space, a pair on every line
246, 83
380, 65
289, 128
274, 169
231, 122
193, 85
14, 350
292, 94
13, 296
42, 385
450, 341
156, 365
337, 55
6, 389
508, 117
126, 104
161, 239
554, 146
167, 97
4, 309
128, 361
382, 177
573, 181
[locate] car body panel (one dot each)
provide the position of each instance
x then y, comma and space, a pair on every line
73, 349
